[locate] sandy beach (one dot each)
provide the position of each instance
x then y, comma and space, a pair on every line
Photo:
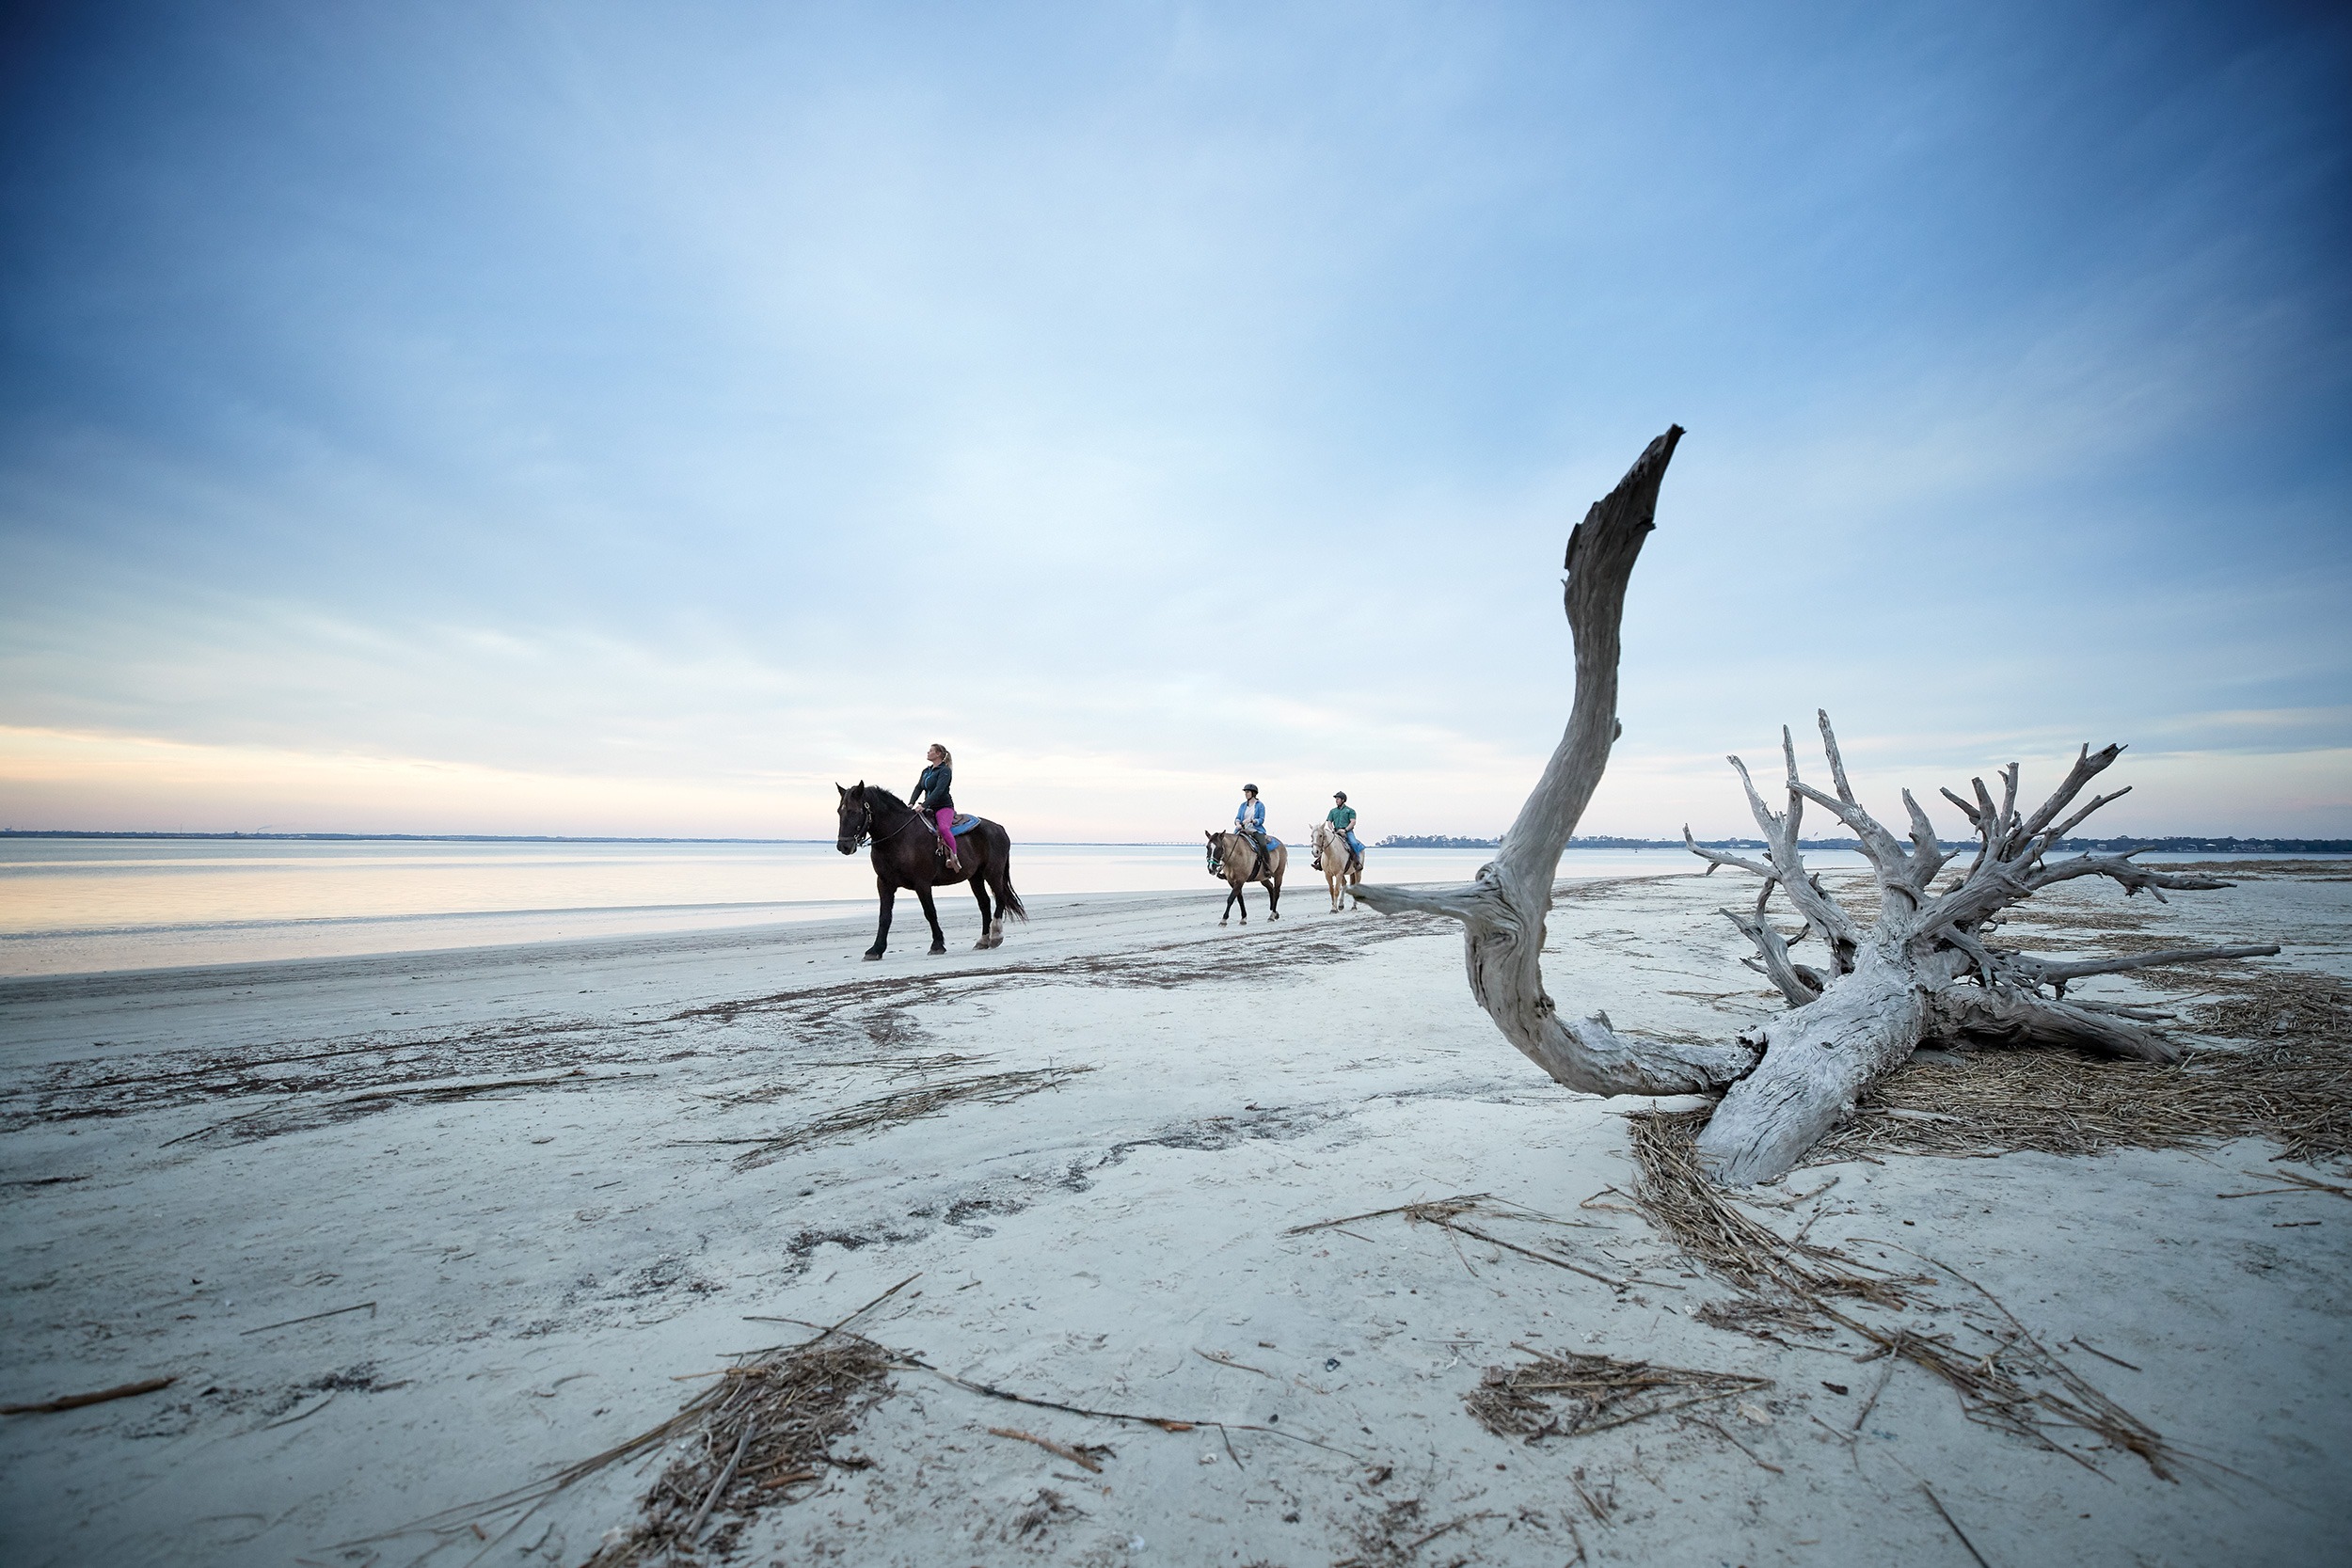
409, 1233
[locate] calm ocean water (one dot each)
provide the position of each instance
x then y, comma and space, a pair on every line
84, 906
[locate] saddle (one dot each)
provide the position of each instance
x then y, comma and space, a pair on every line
1265, 860
965, 822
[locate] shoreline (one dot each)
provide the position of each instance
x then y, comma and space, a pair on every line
64, 951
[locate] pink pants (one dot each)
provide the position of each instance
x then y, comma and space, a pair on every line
947, 832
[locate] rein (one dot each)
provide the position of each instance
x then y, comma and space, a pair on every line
866, 828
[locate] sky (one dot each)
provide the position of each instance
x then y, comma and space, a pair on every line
609, 419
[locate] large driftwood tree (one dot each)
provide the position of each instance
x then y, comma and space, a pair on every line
1926, 970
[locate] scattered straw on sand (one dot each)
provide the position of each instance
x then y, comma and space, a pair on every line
2273, 1005
1450, 1214
1675, 1195
2011, 1380
2302, 871
891, 1066
1393, 1538
2292, 1085
1561, 1395
900, 1105
1761, 1319
756, 1436
762, 1435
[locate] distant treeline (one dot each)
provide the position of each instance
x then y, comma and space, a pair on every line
1438, 841
2102, 846
2215, 846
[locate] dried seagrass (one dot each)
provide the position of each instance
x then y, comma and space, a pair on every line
2015, 1383
899, 1106
764, 1436
1560, 1395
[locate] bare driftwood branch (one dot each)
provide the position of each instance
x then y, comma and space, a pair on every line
75, 1401
1903, 984
1969, 1015
2033, 972
1921, 971
1503, 911
1899, 986
1797, 983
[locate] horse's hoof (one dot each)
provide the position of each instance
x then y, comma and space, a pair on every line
935, 951
873, 957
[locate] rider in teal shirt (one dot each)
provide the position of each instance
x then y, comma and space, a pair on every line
1343, 816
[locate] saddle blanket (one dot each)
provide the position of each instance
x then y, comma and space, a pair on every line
965, 822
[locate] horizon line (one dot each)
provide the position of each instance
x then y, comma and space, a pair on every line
1595, 840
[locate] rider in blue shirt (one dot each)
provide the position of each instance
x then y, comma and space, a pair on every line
1249, 821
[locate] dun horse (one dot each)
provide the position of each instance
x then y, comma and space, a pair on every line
906, 854
1331, 852
1237, 861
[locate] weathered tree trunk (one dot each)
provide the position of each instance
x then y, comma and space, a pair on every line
1817, 1059
1970, 1016
1921, 971
1503, 911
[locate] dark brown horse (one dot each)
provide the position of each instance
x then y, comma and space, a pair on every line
906, 854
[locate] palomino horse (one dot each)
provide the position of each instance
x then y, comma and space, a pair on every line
1331, 854
906, 855
1235, 861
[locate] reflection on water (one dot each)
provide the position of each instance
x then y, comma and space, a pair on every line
79, 906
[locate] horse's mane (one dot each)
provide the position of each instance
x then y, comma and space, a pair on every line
876, 792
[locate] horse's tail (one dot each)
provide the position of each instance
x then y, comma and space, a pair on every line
1000, 881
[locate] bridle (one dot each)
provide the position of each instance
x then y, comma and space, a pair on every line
865, 827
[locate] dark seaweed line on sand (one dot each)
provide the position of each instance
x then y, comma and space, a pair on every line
1139, 967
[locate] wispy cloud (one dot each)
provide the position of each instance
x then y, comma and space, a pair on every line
659, 419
